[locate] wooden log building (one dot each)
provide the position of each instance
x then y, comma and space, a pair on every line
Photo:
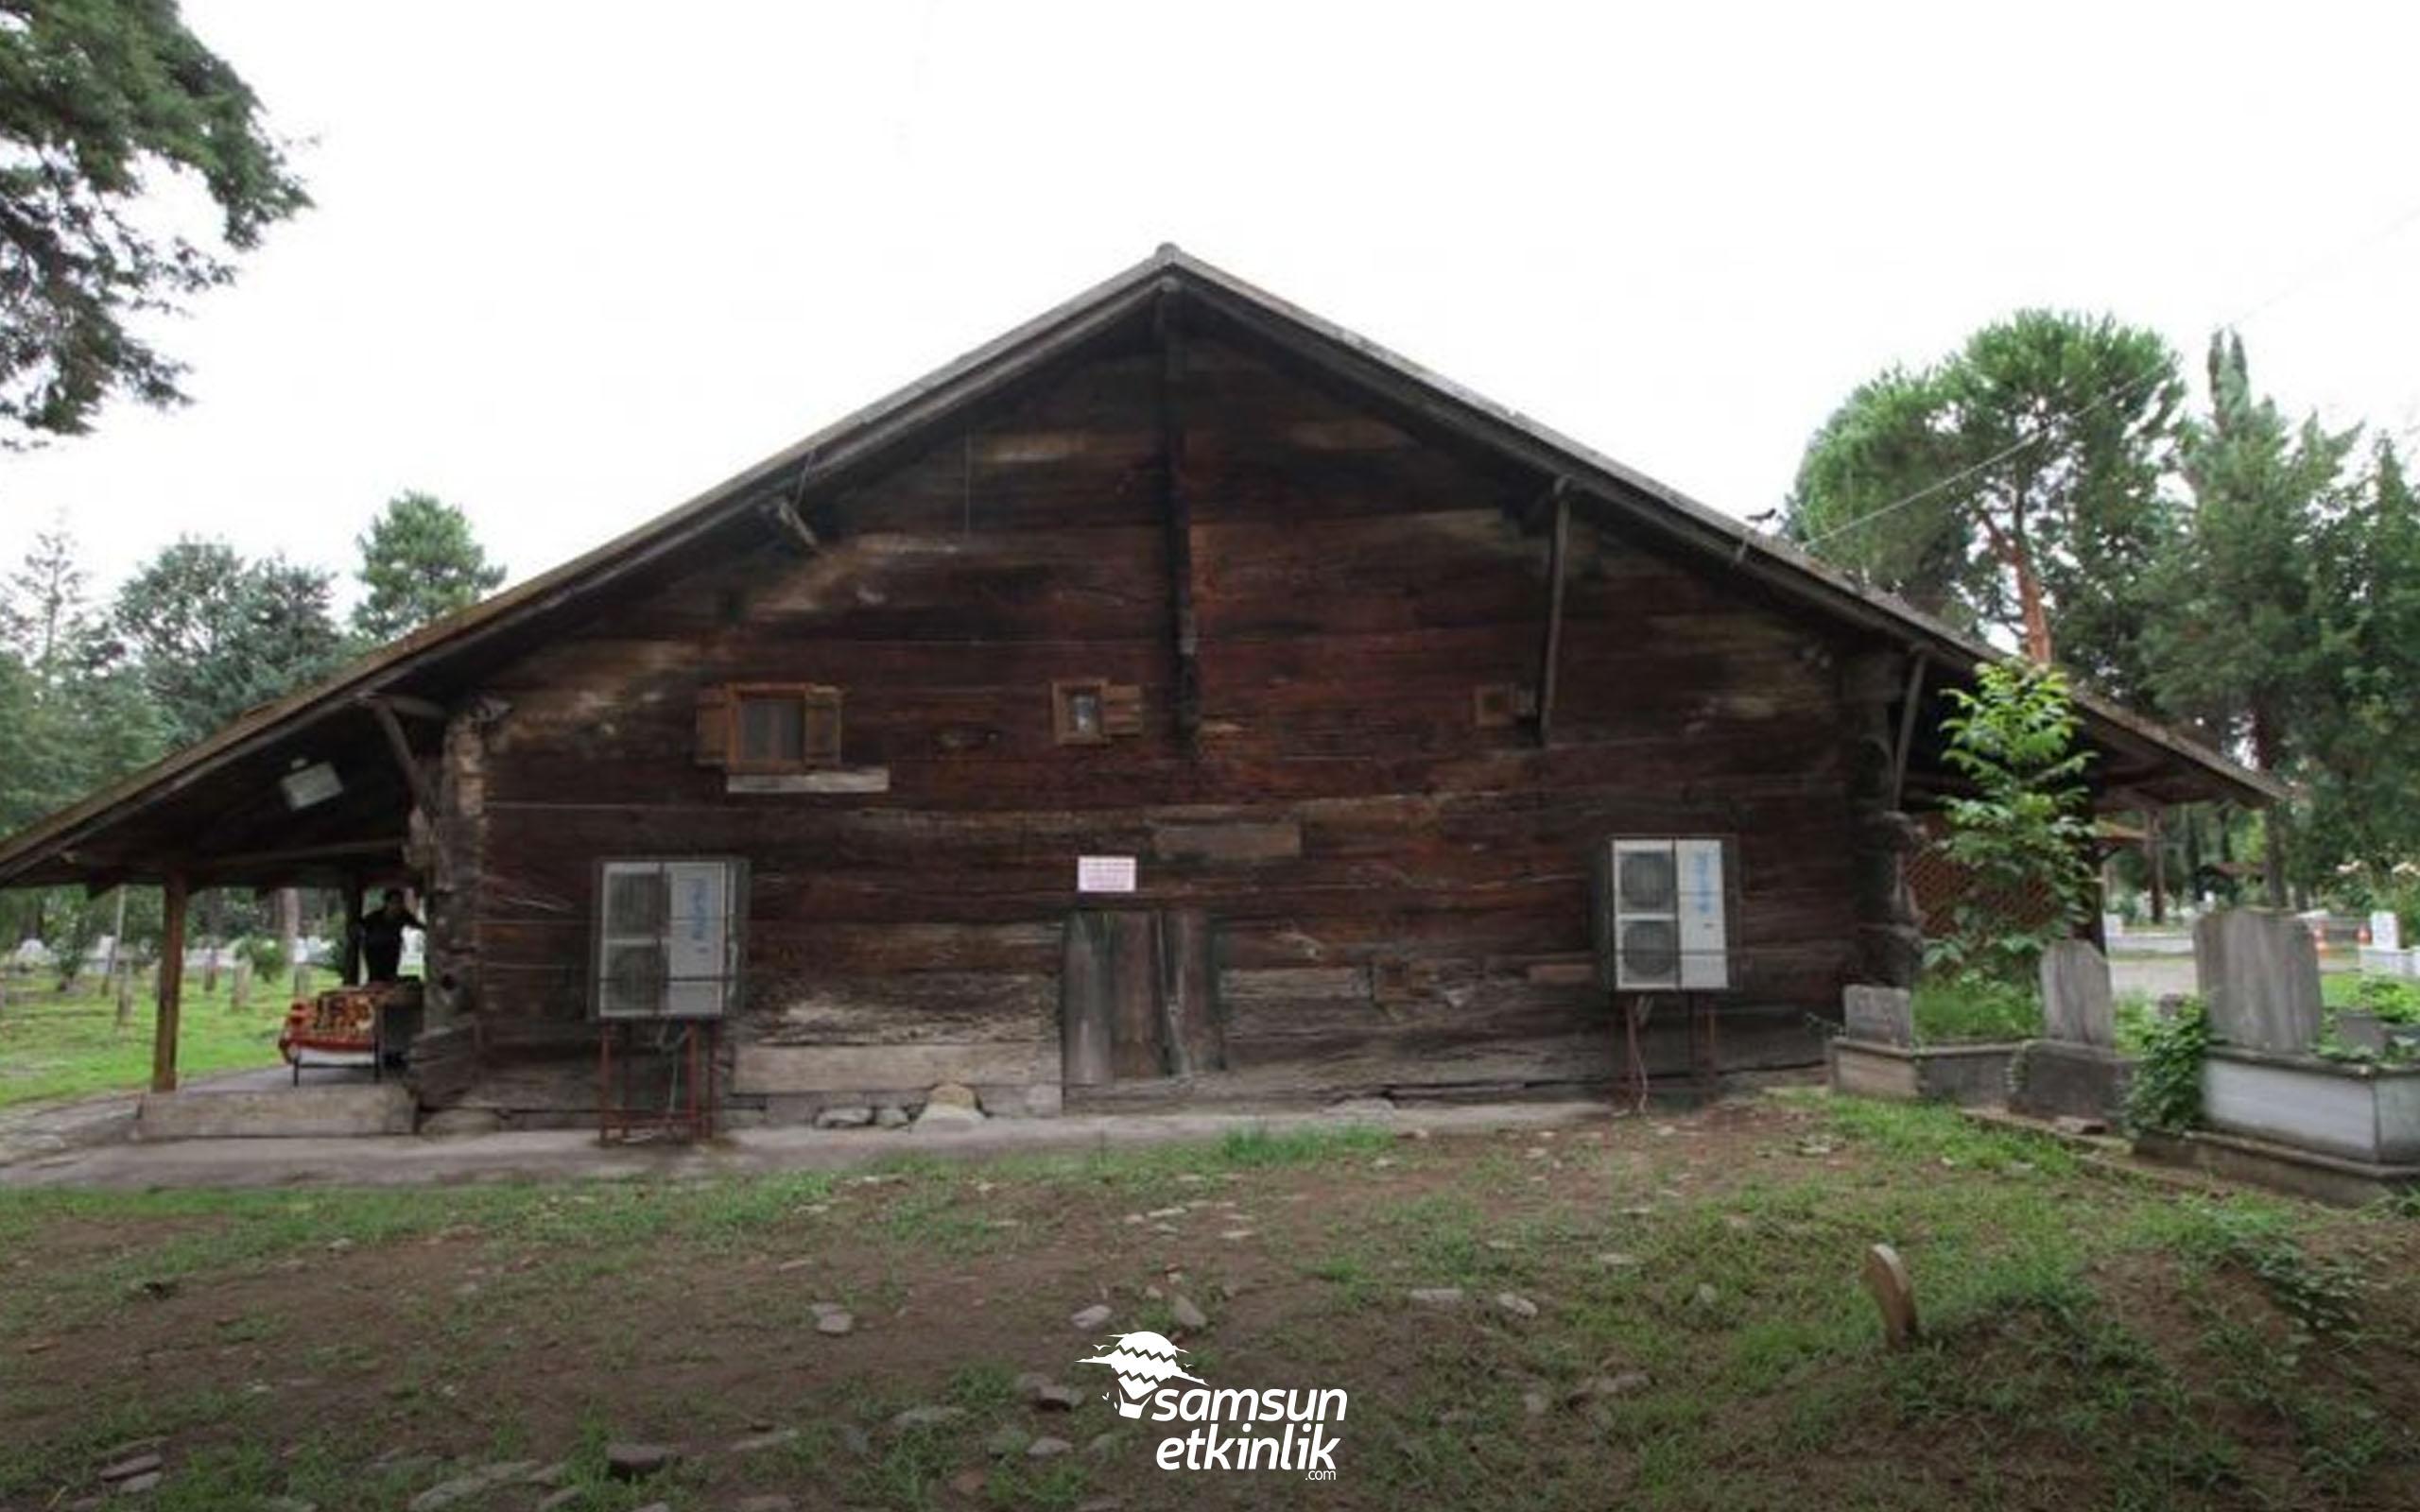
1356, 669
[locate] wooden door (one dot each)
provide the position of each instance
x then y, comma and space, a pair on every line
1138, 997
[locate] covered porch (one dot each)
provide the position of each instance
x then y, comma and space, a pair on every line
328, 807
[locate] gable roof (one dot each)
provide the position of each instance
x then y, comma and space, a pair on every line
857, 443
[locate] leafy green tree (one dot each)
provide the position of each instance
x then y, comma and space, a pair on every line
210, 634
418, 563
2012, 487
2245, 638
2026, 830
2361, 783
68, 721
99, 99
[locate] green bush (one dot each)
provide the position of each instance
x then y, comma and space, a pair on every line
2394, 999
2166, 1093
264, 953
2134, 1014
1971, 1008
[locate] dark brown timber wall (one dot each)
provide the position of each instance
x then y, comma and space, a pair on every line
1392, 894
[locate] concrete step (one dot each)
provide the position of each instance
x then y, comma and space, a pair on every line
282, 1112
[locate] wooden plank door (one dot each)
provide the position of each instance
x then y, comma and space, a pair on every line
1138, 997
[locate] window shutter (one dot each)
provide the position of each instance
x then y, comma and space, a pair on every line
822, 746
713, 727
1121, 709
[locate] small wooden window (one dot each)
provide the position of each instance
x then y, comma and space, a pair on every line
769, 727
1093, 711
1076, 710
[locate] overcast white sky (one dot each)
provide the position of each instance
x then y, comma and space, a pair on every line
572, 263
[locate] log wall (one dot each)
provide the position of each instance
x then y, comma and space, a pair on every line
1395, 892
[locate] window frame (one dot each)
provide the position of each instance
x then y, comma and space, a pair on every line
1063, 692
811, 697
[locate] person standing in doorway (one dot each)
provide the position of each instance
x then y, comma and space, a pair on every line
382, 937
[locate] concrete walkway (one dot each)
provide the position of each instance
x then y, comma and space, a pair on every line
576, 1154
31, 1130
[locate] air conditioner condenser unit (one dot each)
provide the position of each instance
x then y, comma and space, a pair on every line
1663, 915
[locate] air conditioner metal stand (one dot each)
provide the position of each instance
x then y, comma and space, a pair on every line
689, 1107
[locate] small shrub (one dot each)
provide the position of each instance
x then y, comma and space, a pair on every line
264, 953
2166, 1093
2027, 830
2135, 1016
2392, 999
1973, 1009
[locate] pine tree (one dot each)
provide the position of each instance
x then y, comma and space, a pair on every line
45, 611
420, 562
100, 100
2014, 487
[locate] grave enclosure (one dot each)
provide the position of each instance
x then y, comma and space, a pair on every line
2275, 1110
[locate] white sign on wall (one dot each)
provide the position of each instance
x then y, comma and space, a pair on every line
1104, 874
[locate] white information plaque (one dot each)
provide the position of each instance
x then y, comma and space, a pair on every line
1104, 874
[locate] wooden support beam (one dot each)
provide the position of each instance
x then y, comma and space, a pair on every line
1176, 511
228, 863
350, 962
172, 981
403, 703
785, 515
1558, 552
417, 780
1911, 702
2155, 853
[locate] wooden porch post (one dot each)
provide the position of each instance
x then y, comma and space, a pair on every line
349, 959
2155, 852
172, 981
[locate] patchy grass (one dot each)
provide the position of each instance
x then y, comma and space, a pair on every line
57, 1045
2088, 1340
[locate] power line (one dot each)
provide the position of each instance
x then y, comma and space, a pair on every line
2310, 275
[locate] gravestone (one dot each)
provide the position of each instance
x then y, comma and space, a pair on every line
2074, 1072
1879, 1014
2386, 930
2075, 995
2259, 974
1894, 1295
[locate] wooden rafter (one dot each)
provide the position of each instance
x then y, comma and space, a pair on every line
1558, 552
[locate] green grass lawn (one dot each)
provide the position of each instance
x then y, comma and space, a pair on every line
55, 1045
1700, 1340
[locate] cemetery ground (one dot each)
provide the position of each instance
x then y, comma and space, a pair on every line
1646, 1311
56, 1044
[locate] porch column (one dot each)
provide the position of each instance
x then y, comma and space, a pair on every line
172, 982
349, 957
2155, 858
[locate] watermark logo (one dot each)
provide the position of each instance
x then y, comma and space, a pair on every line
1143, 1359
1232, 1429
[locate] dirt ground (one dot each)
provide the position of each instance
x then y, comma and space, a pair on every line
1658, 1312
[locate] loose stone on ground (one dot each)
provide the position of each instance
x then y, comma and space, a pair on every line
631, 1461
